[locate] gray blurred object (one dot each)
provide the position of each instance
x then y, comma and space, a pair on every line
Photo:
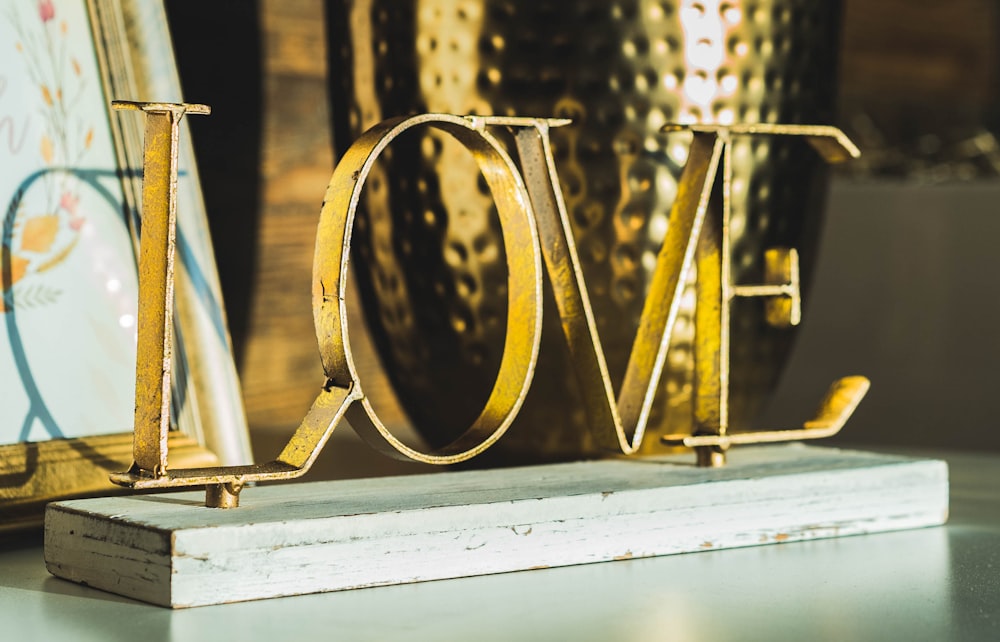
429, 258
926, 156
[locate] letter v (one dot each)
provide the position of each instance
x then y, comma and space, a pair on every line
618, 426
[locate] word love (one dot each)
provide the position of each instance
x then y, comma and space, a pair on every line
537, 234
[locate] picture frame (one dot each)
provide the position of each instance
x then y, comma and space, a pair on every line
68, 247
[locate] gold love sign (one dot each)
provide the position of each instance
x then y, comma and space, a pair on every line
536, 232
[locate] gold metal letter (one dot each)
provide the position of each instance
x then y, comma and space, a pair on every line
156, 281
612, 422
716, 292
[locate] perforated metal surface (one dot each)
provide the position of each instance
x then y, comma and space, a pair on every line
429, 256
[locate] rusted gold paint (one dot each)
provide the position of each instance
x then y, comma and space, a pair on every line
156, 279
535, 225
329, 291
781, 273
618, 426
830, 142
223, 495
781, 291
836, 408
524, 318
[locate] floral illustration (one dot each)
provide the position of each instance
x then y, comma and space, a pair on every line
67, 265
36, 240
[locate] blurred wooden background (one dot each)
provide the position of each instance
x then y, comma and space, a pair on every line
266, 155
281, 368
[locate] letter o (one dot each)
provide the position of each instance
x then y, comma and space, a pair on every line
524, 309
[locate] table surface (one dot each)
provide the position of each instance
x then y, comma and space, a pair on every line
930, 584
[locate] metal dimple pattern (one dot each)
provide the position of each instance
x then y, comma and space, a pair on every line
620, 70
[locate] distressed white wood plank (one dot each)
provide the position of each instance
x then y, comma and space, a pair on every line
305, 538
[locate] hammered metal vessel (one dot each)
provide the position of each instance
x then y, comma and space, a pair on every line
429, 257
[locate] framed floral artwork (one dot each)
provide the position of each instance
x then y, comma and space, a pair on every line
70, 180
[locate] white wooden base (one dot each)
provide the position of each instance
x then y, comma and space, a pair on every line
305, 538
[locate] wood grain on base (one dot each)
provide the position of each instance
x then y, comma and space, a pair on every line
326, 536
